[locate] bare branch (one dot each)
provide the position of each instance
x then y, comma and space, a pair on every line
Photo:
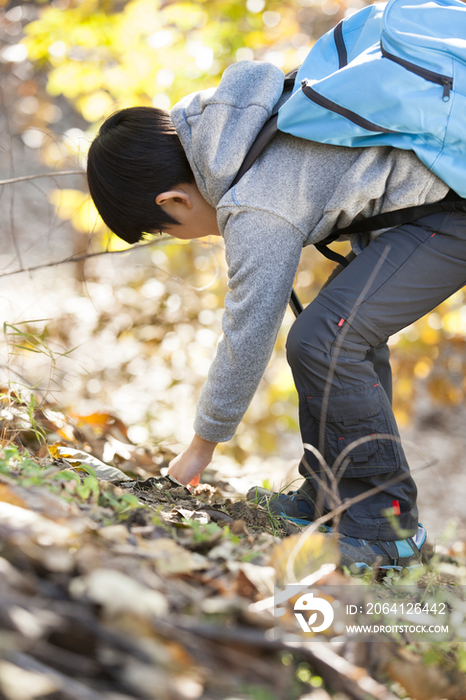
338, 346
87, 256
79, 258
34, 177
315, 524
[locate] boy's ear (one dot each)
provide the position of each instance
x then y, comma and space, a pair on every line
174, 197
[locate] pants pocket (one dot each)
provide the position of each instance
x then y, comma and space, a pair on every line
352, 415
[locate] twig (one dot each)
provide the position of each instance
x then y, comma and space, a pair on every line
339, 343
12, 172
313, 526
23, 178
69, 688
339, 673
79, 258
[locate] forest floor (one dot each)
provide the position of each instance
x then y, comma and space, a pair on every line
116, 582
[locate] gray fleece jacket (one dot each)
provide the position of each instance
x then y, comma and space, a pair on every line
295, 194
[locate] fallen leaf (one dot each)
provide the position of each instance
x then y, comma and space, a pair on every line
18, 684
7, 495
102, 470
224, 550
118, 593
153, 682
41, 501
114, 533
200, 515
103, 423
170, 558
43, 452
42, 530
238, 527
300, 555
262, 577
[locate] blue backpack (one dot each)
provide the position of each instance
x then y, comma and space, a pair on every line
391, 74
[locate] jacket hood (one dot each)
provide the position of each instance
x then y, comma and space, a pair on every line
218, 126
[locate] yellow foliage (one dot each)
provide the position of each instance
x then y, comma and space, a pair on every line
115, 243
95, 106
455, 322
444, 391
87, 218
401, 415
404, 388
430, 336
79, 208
423, 367
97, 59
66, 202
283, 382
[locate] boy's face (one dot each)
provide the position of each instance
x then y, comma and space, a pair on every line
196, 217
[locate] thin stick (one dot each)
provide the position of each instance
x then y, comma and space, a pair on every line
87, 256
23, 178
339, 343
337, 671
79, 258
313, 526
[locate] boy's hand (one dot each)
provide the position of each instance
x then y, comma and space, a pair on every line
190, 463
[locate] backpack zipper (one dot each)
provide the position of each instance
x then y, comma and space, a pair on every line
340, 45
430, 75
342, 111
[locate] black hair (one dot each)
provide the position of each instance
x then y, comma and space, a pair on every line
135, 156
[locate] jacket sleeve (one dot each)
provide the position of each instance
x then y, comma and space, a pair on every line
262, 252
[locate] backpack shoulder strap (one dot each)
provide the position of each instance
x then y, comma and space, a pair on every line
265, 135
263, 139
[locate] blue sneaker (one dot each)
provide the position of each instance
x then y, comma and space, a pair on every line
362, 556
297, 506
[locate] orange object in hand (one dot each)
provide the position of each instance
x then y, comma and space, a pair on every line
195, 481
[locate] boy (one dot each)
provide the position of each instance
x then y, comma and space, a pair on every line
151, 171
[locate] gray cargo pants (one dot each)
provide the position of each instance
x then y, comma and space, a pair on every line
402, 275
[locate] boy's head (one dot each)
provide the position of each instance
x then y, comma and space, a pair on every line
135, 157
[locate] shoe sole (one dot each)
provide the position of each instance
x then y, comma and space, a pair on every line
362, 568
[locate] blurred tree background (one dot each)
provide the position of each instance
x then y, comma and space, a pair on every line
133, 332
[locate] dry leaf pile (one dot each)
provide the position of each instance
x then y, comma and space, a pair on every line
122, 584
